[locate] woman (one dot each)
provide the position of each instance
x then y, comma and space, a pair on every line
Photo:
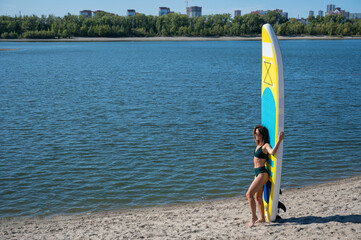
261, 137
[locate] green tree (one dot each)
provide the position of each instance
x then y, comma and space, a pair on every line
30, 23
340, 19
357, 27
283, 29
310, 29
272, 17
331, 28
311, 19
107, 25
253, 23
319, 19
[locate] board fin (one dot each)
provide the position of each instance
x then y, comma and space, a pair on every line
280, 191
281, 206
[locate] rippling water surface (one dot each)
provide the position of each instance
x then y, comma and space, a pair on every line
104, 126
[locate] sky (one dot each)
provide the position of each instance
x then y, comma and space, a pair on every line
150, 7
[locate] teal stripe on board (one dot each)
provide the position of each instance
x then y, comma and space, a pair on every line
269, 121
269, 110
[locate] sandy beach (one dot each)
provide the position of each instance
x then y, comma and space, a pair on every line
175, 39
326, 211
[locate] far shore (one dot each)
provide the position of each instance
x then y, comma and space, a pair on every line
10, 49
175, 39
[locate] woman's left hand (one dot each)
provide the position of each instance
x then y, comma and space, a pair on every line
281, 136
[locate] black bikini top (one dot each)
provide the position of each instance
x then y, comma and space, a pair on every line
260, 154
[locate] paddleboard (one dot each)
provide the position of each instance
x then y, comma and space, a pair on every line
272, 115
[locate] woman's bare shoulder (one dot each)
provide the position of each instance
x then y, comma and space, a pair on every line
266, 147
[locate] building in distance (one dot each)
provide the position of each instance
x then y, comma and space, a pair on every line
237, 13
90, 13
311, 13
260, 12
86, 13
283, 14
163, 11
96, 12
320, 13
263, 13
131, 12
331, 7
194, 11
338, 11
355, 15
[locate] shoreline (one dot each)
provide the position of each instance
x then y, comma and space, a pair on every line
330, 210
177, 39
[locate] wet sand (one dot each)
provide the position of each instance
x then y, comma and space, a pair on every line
325, 211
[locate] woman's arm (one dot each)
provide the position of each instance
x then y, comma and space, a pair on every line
274, 150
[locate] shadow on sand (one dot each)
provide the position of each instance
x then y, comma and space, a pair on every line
311, 219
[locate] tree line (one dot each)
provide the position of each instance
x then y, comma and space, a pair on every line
140, 25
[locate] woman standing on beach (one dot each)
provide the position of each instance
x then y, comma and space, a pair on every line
261, 137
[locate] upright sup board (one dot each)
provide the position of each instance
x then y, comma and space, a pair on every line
272, 115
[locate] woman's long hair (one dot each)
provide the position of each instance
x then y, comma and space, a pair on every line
263, 131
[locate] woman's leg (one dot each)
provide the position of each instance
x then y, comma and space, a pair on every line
256, 185
259, 199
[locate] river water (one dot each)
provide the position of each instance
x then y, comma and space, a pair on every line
87, 127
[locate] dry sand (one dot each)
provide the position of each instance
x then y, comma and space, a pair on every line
326, 211
157, 39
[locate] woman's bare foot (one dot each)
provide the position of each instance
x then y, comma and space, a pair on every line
253, 221
260, 220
